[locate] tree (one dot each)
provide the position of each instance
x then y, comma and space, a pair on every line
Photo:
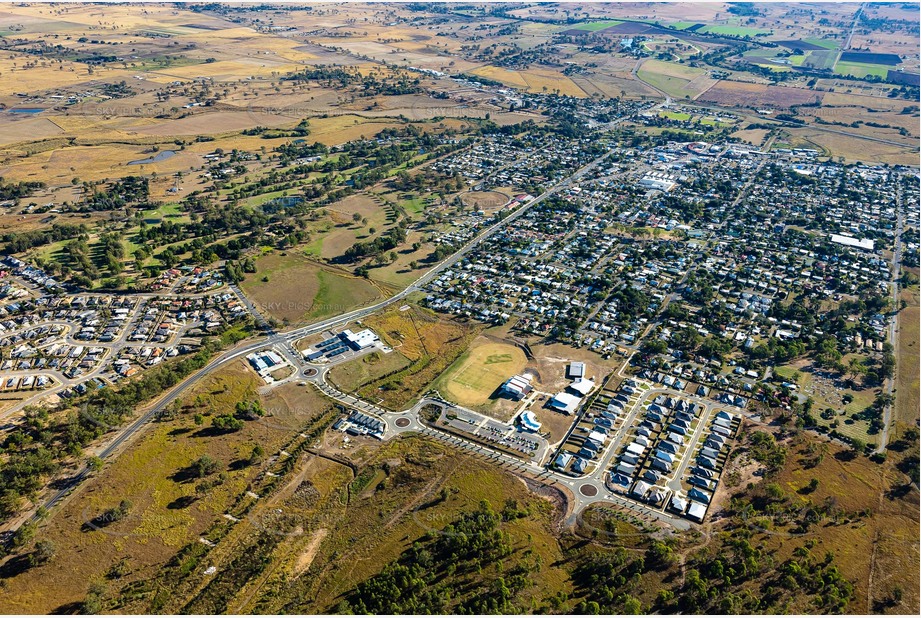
205, 466
10, 501
227, 422
44, 552
632, 606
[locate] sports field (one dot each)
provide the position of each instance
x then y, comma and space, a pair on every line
476, 375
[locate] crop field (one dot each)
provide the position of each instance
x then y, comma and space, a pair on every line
858, 57
292, 288
678, 80
532, 80
594, 26
757, 95
734, 30
824, 43
858, 69
820, 59
474, 378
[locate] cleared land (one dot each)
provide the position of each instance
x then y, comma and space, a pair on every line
757, 95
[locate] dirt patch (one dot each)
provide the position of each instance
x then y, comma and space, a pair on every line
310, 552
484, 200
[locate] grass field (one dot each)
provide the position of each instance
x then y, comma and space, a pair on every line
860, 69
431, 344
479, 372
879, 543
594, 26
907, 365
855, 149
349, 376
675, 79
675, 115
368, 532
734, 31
826, 395
292, 287
532, 80
166, 511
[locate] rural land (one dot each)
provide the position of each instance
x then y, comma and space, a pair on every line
459, 308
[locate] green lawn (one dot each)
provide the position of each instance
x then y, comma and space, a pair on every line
413, 206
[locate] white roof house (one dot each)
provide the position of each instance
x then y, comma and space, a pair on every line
697, 511
565, 402
582, 386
